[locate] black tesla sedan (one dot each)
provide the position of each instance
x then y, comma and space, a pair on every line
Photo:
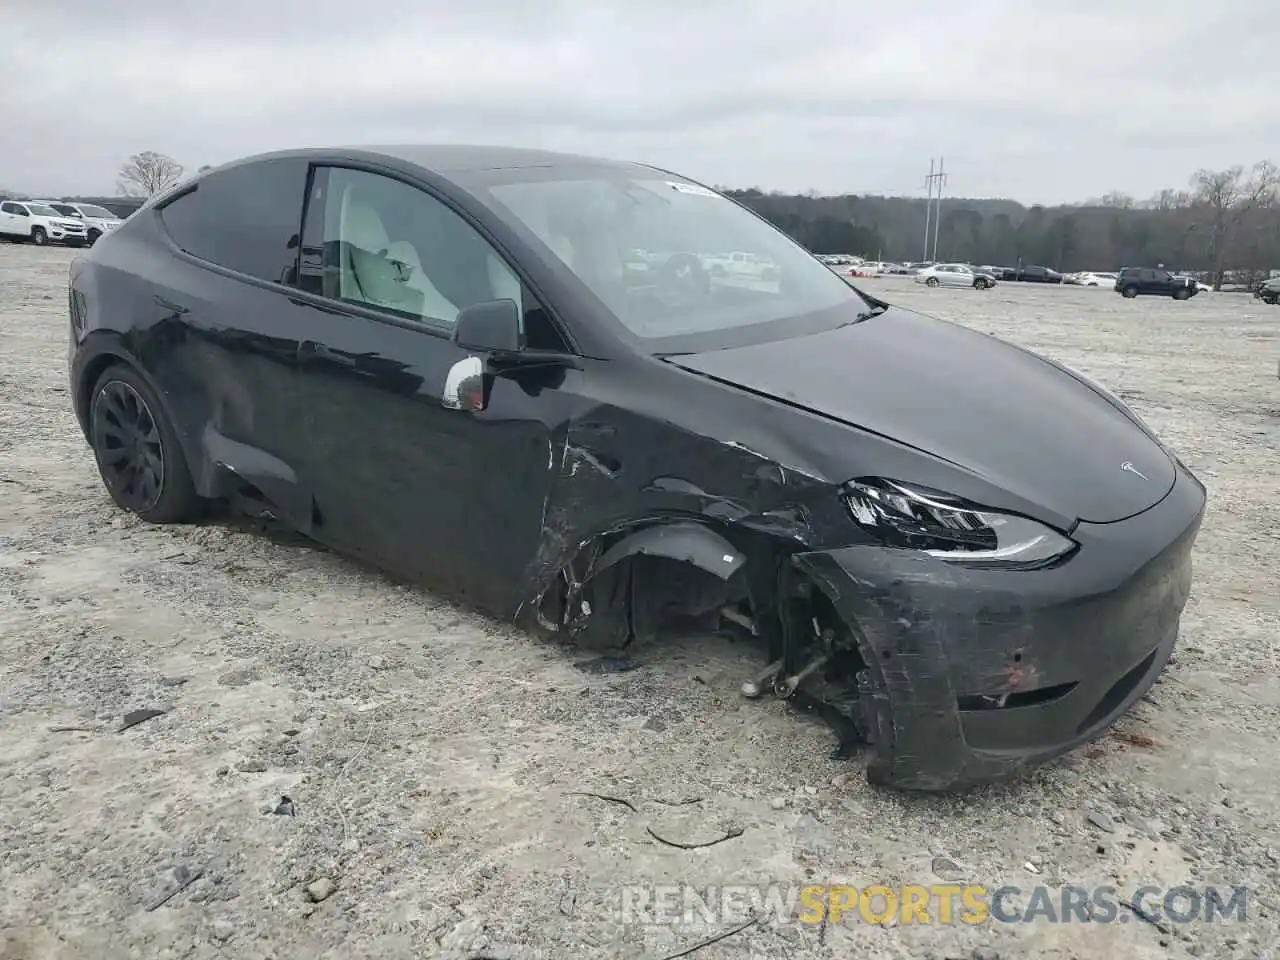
515, 377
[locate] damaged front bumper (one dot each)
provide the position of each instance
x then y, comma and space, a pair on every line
973, 674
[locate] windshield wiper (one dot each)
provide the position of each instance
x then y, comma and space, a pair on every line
864, 315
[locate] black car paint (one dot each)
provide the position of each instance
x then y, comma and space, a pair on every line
884, 376
331, 414
1157, 282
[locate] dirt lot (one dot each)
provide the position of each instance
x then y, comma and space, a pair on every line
432, 758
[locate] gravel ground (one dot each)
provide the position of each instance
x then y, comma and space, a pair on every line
432, 758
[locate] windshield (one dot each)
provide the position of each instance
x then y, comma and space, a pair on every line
41, 210
65, 210
671, 259
102, 213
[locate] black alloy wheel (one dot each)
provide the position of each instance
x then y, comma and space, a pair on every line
128, 445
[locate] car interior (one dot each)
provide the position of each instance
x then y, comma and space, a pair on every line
458, 269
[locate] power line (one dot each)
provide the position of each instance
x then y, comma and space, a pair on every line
937, 178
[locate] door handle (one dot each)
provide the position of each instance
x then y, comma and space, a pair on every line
309, 350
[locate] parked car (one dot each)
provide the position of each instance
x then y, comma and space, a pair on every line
432, 358
1096, 279
954, 275
1154, 282
867, 268
1200, 285
98, 221
1000, 273
741, 264
1034, 274
39, 223
1268, 291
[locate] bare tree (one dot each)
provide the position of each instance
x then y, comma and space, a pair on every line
1170, 200
1116, 199
1226, 197
146, 174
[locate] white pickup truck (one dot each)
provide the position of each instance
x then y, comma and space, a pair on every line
98, 221
739, 264
40, 224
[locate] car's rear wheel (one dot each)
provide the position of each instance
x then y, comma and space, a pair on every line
139, 457
1271, 299
1182, 293
38, 236
931, 282
1129, 292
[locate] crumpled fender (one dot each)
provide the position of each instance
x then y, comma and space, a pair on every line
911, 710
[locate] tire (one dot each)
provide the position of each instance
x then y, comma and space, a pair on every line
139, 456
94, 236
1272, 300
980, 283
39, 237
1182, 293
931, 282
1129, 292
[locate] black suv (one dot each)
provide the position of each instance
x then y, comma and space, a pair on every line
1033, 274
1132, 281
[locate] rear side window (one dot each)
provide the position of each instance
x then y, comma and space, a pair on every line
246, 218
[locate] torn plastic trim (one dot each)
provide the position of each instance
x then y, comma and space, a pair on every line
270, 476
682, 540
910, 708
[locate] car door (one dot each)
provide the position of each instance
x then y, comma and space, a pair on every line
446, 497
963, 277
223, 332
14, 219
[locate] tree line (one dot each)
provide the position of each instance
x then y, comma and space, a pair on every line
1224, 221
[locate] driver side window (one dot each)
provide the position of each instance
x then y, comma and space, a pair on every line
380, 243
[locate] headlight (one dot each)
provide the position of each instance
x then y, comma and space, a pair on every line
949, 528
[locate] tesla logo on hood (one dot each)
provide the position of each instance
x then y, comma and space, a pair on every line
1128, 466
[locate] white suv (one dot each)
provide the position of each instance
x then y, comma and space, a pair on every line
97, 220
40, 223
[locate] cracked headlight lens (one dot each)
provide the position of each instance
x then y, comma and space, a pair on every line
949, 528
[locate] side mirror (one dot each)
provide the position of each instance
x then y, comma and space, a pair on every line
489, 327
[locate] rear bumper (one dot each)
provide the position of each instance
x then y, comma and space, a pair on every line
976, 674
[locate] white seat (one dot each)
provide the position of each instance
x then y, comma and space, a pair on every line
434, 303
370, 274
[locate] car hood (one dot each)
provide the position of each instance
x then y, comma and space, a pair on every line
997, 410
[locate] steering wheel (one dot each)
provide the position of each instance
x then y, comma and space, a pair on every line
684, 273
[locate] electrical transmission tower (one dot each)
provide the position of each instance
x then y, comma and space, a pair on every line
937, 178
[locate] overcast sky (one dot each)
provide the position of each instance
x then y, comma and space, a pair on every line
1039, 100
